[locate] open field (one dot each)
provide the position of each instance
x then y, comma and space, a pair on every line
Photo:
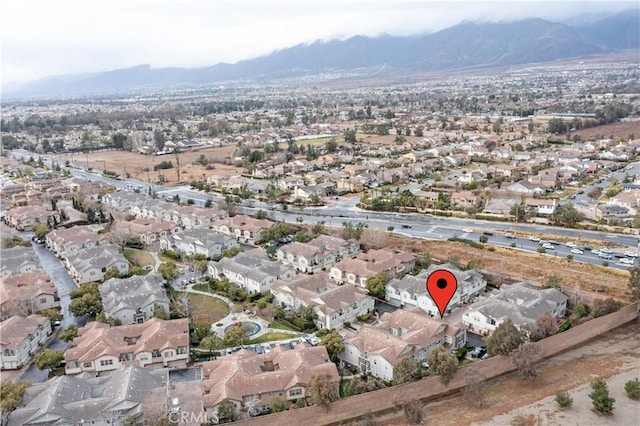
207, 309
140, 166
615, 130
614, 356
591, 280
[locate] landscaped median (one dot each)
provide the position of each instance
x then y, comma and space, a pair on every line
431, 388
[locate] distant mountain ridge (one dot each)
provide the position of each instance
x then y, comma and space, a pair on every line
462, 46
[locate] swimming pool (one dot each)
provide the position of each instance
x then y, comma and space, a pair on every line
250, 327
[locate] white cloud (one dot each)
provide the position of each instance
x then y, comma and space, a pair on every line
43, 37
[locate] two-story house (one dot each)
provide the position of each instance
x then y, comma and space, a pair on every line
155, 343
23, 218
356, 271
398, 335
18, 260
91, 264
27, 293
199, 241
523, 303
134, 299
410, 291
69, 241
20, 338
253, 270
245, 229
251, 381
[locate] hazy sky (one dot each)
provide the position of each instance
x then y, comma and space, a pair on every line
51, 37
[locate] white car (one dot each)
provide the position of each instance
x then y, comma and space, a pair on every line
571, 244
626, 261
596, 252
576, 251
630, 254
534, 239
548, 246
605, 250
467, 230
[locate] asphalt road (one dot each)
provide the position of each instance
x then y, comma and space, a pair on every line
413, 225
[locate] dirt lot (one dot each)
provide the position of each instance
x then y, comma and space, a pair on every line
615, 130
614, 356
136, 165
592, 281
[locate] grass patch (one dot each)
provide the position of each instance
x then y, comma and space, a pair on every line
280, 325
270, 337
138, 257
207, 309
202, 287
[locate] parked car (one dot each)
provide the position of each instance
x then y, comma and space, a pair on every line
478, 351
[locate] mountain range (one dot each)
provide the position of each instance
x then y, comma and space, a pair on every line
463, 46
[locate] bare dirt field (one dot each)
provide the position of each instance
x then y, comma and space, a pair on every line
615, 130
592, 281
140, 166
614, 356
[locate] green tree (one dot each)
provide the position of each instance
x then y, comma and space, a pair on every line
227, 412
443, 364
595, 193
209, 203
553, 281
168, 270
351, 231
563, 398
505, 339
333, 342
599, 395
86, 300
307, 313
261, 214
406, 371
40, 230
11, 394
483, 239
567, 215
519, 211
322, 391
318, 228
48, 358
160, 312
376, 284
112, 272
211, 343
235, 336
604, 307
14, 241
278, 404
632, 387
69, 333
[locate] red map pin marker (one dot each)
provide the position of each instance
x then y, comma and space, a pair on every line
442, 285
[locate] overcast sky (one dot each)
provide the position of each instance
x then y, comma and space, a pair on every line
41, 38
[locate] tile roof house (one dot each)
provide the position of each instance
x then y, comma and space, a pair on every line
246, 229
133, 300
198, 241
68, 241
333, 304
251, 381
91, 264
523, 303
410, 291
318, 254
148, 230
23, 218
365, 265
66, 400
18, 260
153, 344
27, 293
398, 335
196, 217
20, 338
253, 271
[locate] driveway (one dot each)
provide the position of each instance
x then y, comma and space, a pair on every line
62, 280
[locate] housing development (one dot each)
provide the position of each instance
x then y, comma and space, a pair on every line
261, 252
